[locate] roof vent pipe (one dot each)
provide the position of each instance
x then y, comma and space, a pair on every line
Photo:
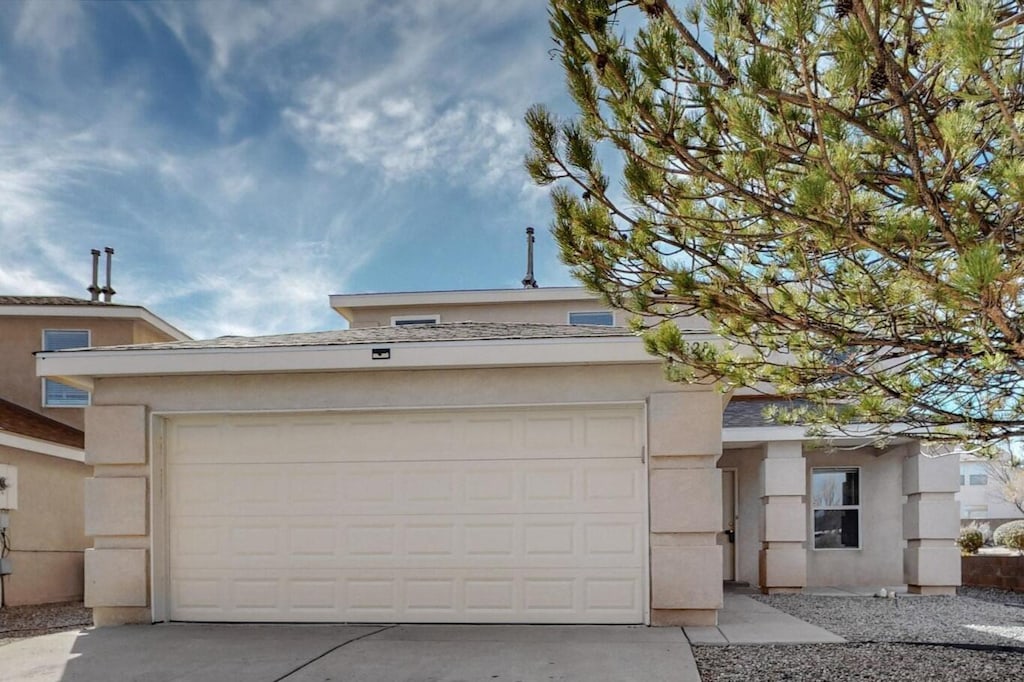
94, 288
108, 291
529, 282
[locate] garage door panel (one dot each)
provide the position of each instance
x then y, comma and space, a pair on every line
390, 487
592, 433
501, 541
429, 516
494, 596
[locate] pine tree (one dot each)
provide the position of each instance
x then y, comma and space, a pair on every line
835, 187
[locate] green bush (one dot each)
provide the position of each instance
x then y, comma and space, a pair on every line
971, 540
1010, 535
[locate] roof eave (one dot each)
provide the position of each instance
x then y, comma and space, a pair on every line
866, 434
80, 367
41, 446
98, 311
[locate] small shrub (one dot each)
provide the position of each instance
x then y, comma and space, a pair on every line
986, 531
1010, 535
970, 540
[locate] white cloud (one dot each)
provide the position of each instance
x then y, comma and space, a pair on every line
471, 142
228, 228
50, 28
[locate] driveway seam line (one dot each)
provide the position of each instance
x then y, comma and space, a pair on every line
331, 651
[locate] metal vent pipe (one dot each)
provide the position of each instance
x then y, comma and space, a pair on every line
529, 282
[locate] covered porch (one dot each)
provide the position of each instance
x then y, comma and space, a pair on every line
797, 514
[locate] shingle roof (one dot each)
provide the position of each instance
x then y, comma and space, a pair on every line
748, 411
25, 422
49, 300
448, 331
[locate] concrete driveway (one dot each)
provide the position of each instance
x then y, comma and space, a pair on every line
308, 653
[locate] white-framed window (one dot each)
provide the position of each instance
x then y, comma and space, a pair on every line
599, 317
56, 394
835, 505
402, 320
973, 474
974, 511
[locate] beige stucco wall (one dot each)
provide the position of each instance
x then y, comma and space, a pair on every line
399, 388
683, 445
541, 312
20, 337
879, 561
46, 533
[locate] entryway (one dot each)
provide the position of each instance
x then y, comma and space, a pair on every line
729, 524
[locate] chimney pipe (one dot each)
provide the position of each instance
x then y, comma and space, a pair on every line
94, 288
108, 291
529, 282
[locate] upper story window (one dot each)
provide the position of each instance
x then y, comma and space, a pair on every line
973, 474
402, 320
600, 317
56, 394
835, 499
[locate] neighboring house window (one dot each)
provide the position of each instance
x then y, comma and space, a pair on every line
963, 481
402, 320
835, 499
978, 479
599, 317
975, 511
56, 394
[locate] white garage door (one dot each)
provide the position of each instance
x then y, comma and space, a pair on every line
511, 515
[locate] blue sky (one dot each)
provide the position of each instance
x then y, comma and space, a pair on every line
246, 159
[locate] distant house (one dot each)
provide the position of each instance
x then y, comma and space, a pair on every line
980, 493
42, 444
509, 456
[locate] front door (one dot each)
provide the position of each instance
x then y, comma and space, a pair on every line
729, 524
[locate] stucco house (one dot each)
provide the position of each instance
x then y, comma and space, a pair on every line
42, 442
507, 456
982, 497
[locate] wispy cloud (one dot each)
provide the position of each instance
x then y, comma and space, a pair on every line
246, 161
50, 28
414, 134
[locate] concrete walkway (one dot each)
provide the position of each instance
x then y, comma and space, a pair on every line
747, 621
311, 653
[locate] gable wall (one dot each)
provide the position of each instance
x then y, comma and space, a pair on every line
22, 336
47, 535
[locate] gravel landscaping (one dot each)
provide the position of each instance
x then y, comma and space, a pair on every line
978, 635
17, 622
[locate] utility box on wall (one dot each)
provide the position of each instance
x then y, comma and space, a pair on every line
8, 486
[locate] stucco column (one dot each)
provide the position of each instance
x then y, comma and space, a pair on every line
116, 505
782, 559
931, 522
685, 441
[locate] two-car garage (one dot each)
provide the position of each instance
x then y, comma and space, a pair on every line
514, 514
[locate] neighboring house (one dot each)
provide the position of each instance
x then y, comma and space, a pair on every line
531, 464
980, 492
41, 436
